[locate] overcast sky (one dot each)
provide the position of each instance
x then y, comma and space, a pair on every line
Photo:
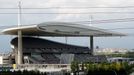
104, 42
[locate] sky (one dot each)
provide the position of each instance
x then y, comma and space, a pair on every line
102, 42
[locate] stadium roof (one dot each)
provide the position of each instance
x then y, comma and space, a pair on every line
60, 29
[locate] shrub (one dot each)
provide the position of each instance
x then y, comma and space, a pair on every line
118, 68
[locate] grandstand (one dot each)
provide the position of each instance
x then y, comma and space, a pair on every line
42, 51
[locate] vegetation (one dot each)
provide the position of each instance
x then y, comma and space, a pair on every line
130, 54
74, 67
88, 68
103, 68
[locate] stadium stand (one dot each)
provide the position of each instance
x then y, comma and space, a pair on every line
42, 51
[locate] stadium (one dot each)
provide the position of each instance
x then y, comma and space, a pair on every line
30, 50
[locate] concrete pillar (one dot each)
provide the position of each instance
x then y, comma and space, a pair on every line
91, 44
16, 55
20, 53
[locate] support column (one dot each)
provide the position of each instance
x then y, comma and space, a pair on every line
20, 53
91, 44
16, 55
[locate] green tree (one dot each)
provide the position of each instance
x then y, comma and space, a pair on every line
74, 66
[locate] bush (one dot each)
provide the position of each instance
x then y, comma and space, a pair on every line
92, 68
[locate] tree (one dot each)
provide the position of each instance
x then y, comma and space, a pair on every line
74, 67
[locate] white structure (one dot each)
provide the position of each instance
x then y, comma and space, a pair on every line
44, 67
60, 29
1, 59
5, 59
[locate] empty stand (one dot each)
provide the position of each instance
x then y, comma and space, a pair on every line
42, 51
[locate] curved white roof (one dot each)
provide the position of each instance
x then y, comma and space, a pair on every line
60, 29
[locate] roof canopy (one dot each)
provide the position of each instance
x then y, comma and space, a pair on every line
60, 29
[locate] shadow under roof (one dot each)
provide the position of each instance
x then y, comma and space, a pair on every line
60, 29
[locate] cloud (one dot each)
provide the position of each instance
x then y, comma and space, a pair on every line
67, 3
38, 18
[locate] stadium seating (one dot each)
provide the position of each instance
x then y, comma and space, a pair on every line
42, 51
